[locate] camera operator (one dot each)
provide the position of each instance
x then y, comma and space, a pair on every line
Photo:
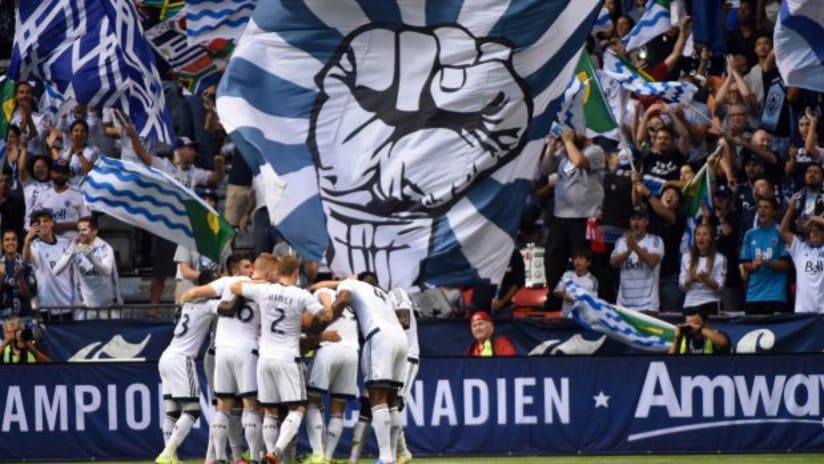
19, 345
695, 336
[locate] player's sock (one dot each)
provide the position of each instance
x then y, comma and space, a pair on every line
252, 430
210, 448
314, 428
359, 439
220, 434
182, 428
381, 422
168, 427
289, 429
270, 431
403, 450
333, 433
395, 427
236, 434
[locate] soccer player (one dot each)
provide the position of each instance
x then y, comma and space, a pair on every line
235, 357
405, 311
280, 369
181, 392
334, 371
383, 357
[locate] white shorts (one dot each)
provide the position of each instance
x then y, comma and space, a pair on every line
235, 372
412, 366
383, 359
179, 377
335, 370
282, 382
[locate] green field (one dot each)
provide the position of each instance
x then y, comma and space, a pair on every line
658, 459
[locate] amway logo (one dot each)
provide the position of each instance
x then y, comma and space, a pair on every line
745, 393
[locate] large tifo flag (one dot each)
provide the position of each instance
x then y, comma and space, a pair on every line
799, 43
403, 134
207, 20
624, 325
654, 22
92, 52
153, 200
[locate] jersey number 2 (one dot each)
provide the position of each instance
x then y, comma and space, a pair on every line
281, 314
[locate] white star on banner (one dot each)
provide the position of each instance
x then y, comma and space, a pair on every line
601, 400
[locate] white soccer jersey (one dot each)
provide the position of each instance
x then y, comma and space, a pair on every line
193, 326
371, 306
281, 317
809, 276
97, 283
346, 325
76, 172
241, 330
52, 289
400, 300
66, 206
32, 190
638, 287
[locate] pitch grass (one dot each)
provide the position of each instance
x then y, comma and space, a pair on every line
656, 459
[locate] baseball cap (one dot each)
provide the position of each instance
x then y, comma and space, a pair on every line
482, 315
723, 191
60, 164
186, 142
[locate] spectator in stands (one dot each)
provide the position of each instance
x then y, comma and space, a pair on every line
78, 154
12, 154
764, 263
25, 116
579, 195
735, 95
64, 201
486, 343
761, 188
12, 205
92, 262
19, 345
615, 214
96, 136
703, 272
808, 257
42, 249
695, 336
18, 282
189, 262
725, 220
238, 188
663, 159
581, 261
763, 51
34, 181
638, 255
513, 280
265, 235
810, 201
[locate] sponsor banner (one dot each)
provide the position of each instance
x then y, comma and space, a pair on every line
133, 339
634, 404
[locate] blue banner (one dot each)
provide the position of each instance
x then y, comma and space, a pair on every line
634, 404
124, 339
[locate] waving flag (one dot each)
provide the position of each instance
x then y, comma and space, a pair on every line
404, 134
163, 9
6, 105
599, 118
153, 200
603, 23
571, 113
799, 43
654, 22
624, 325
673, 91
697, 193
92, 52
207, 20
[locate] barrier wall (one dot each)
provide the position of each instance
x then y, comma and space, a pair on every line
562, 405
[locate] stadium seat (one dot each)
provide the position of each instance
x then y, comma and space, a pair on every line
530, 297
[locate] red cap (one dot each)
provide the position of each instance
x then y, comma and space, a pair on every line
480, 315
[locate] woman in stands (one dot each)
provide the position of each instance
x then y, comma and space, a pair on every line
80, 156
703, 271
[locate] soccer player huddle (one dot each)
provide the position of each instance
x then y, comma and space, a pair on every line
261, 324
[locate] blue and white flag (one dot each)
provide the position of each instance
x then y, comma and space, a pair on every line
621, 324
207, 20
799, 43
654, 22
571, 113
603, 23
53, 103
671, 91
404, 134
654, 184
92, 52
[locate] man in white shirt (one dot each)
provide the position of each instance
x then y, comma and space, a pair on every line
808, 258
34, 181
93, 264
181, 391
638, 255
280, 370
64, 201
43, 249
384, 353
334, 372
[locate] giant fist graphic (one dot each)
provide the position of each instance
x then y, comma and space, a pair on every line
406, 121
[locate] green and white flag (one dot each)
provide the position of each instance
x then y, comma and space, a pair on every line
654, 22
155, 201
6, 105
696, 193
599, 118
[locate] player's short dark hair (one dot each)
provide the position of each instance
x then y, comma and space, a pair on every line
369, 277
288, 265
233, 260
